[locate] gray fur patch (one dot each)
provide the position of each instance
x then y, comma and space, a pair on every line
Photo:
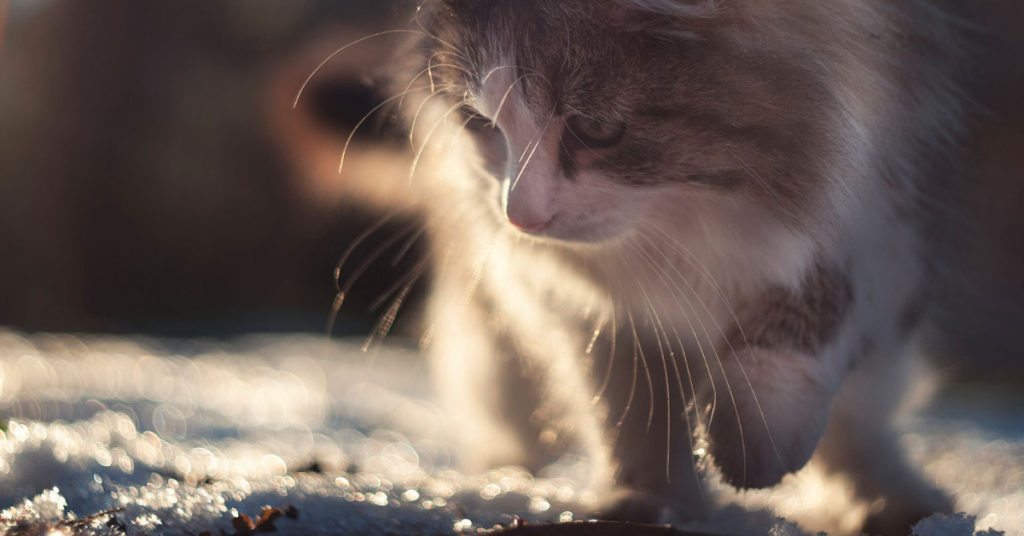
780, 319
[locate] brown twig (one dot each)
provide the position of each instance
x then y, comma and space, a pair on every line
80, 523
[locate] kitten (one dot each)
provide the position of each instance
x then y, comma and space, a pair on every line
668, 227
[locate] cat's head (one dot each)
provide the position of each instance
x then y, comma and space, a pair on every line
598, 115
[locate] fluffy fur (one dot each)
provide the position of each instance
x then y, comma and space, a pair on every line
665, 225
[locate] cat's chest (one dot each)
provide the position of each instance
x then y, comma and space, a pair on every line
576, 300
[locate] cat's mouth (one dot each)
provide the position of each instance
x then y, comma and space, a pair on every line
566, 230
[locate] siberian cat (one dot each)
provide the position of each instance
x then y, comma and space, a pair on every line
668, 227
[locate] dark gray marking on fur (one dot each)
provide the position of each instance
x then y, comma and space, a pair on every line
780, 319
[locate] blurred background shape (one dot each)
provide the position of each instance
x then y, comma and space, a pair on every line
154, 177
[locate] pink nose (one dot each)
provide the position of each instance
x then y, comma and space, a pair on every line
528, 225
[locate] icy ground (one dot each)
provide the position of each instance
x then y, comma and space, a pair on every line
183, 436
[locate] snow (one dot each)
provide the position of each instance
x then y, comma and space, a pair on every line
180, 437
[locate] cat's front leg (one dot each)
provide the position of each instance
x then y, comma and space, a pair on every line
512, 386
481, 383
771, 410
778, 371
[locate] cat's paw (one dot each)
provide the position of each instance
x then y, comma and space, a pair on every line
771, 424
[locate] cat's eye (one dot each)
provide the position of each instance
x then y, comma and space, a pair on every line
594, 133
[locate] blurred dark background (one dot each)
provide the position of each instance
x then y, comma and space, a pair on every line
154, 178
152, 173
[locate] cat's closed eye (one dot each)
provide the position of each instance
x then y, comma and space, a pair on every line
592, 133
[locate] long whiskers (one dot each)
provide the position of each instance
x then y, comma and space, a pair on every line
426, 141
387, 320
632, 383
659, 330
504, 98
692, 311
493, 122
343, 290
357, 242
611, 361
418, 268
536, 143
366, 117
731, 349
416, 117
428, 70
696, 340
729, 346
332, 55
662, 335
694, 261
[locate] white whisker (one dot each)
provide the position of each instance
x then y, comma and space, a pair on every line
611, 361
692, 311
426, 140
539, 138
725, 338
334, 54
375, 109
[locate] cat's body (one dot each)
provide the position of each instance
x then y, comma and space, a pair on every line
693, 222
